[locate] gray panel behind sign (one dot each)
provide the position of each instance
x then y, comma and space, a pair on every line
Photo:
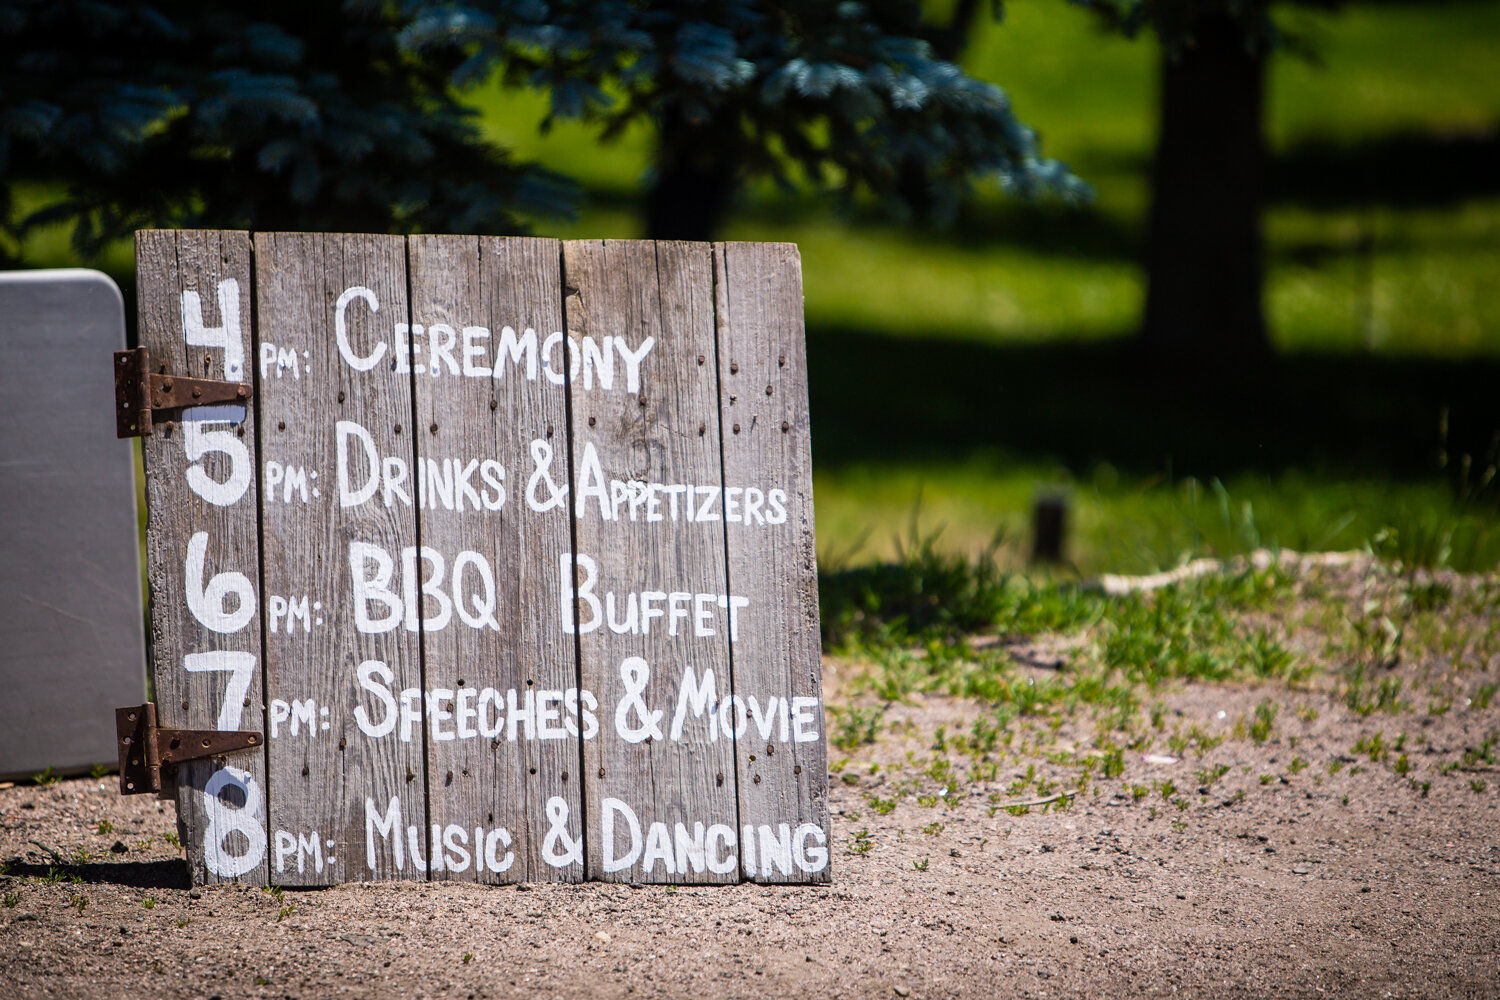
71, 645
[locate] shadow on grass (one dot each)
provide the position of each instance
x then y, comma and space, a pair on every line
1080, 403
1401, 169
172, 874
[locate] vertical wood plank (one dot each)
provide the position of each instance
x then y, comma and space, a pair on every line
201, 543
637, 446
783, 783
503, 753
345, 736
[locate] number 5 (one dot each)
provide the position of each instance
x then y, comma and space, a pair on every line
199, 442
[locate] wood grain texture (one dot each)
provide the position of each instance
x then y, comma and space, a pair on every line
767, 446
214, 267
327, 777
670, 426
484, 773
665, 432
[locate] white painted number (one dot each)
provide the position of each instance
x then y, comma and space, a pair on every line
199, 442
224, 819
208, 604
226, 336
241, 669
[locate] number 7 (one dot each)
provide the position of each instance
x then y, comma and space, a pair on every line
241, 668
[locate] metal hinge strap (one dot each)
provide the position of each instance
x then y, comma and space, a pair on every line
140, 394
146, 749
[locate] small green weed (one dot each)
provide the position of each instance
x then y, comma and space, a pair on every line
855, 727
1265, 718
1373, 746
278, 894
1428, 596
1209, 776
1113, 762
56, 876
921, 864
1482, 754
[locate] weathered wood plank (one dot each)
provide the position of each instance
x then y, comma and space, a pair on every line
778, 675
201, 543
503, 750
347, 795
647, 310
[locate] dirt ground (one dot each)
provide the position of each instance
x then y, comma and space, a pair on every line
1237, 872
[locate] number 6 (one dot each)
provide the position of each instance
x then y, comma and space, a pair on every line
208, 603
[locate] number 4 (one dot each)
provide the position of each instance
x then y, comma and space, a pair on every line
241, 669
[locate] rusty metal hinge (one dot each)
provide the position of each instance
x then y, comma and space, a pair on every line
145, 749
139, 393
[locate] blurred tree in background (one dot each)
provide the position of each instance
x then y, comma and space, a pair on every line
271, 115
1204, 255
852, 94
342, 116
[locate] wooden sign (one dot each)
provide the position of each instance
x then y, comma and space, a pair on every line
510, 554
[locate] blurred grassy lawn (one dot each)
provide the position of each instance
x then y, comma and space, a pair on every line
1408, 277
1407, 280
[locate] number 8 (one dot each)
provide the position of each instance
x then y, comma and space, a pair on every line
224, 819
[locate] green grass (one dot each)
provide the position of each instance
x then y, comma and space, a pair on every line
1400, 278
1038, 734
1130, 524
1121, 647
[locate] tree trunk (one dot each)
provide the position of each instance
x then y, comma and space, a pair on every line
695, 180
1203, 254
